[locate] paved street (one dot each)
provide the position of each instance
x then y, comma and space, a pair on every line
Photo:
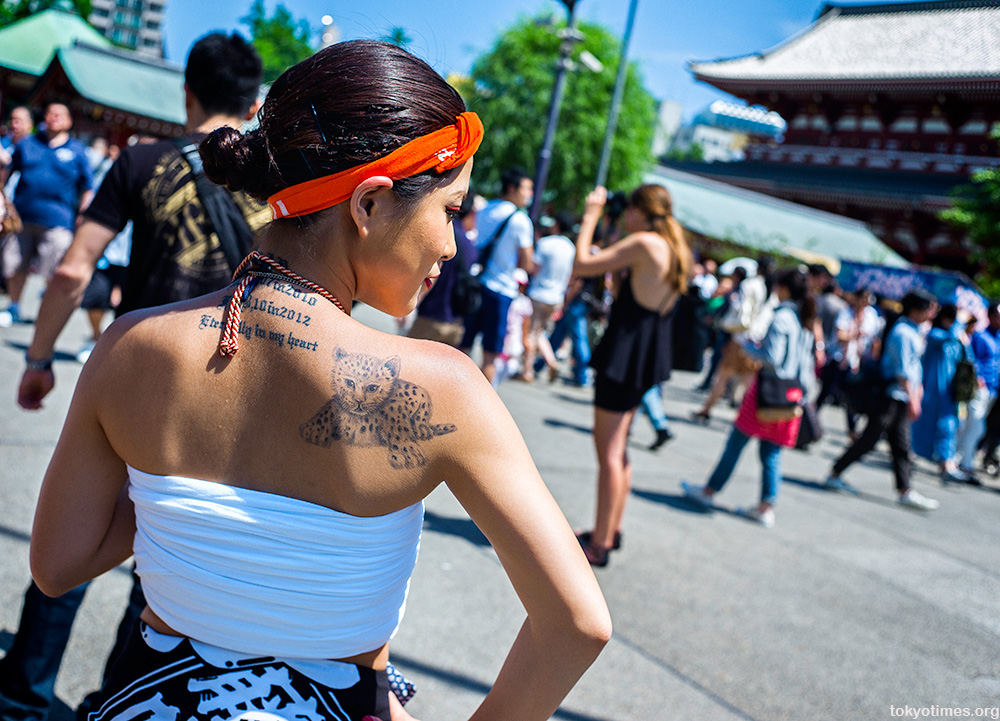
849, 605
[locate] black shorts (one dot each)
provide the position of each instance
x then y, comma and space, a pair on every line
159, 676
97, 296
610, 395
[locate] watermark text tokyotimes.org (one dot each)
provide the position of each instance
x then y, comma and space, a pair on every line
922, 712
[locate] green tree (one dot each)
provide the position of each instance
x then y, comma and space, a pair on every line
398, 36
280, 39
512, 86
13, 10
976, 209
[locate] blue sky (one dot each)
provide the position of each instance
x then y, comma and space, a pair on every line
450, 34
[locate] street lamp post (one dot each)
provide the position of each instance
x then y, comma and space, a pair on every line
570, 36
616, 100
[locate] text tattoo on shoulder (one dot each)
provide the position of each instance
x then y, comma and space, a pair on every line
373, 406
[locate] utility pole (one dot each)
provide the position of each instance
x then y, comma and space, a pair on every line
570, 36
616, 100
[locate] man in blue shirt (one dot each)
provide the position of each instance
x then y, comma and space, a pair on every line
903, 372
985, 351
55, 184
505, 242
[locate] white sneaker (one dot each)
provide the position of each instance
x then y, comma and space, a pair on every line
696, 494
764, 518
912, 499
84, 353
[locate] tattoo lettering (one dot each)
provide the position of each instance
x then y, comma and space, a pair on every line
289, 290
248, 331
278, 311
373, 406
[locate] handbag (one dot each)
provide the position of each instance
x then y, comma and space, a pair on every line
810, 431
778, 399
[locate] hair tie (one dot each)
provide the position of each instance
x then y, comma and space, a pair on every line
440, 150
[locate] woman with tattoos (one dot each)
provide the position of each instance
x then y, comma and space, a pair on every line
635, 352
266, 457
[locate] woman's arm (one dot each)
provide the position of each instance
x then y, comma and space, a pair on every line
773, 348
491, 473
84, 521
623, 254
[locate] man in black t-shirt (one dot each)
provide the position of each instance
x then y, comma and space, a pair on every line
176, 254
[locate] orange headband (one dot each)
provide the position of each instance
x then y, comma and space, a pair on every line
441, 150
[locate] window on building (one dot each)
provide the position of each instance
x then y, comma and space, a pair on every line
904, 125
871, 124
974, 127
936, 125
152, 25
848, 122
820, 123
100, 12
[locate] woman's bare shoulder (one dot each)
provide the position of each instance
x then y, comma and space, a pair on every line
437, 366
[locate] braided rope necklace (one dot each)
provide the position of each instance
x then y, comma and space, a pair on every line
229, 343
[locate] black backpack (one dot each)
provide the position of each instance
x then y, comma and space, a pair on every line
235, 235
467, 294
965, 383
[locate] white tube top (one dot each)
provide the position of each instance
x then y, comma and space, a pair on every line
265, 574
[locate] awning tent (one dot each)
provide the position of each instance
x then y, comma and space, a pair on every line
769, 225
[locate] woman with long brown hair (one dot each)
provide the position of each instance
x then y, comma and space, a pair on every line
636, 351
266, 456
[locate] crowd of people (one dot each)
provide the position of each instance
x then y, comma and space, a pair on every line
378, 210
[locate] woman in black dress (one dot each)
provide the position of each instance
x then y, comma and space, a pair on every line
635, 352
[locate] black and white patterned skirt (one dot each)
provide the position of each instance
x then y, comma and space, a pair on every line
178, 679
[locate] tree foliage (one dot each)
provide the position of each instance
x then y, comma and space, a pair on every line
280, 39
13, 10
976, 209
398, 36
511, 89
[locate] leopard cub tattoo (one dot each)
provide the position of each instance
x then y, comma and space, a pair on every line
373, 406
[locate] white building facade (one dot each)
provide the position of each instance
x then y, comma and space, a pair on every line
137, 24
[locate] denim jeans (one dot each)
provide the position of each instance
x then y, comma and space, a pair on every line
574, 324
973, 428
28, 671
652, 405
770, 460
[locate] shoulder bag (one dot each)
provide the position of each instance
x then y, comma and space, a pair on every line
778, 399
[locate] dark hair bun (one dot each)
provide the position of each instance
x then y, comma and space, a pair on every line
234, 160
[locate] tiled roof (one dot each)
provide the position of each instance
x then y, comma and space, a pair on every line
949, 39
766, 224
29, 45
125, 81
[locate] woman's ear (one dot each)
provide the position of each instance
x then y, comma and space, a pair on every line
369, 203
